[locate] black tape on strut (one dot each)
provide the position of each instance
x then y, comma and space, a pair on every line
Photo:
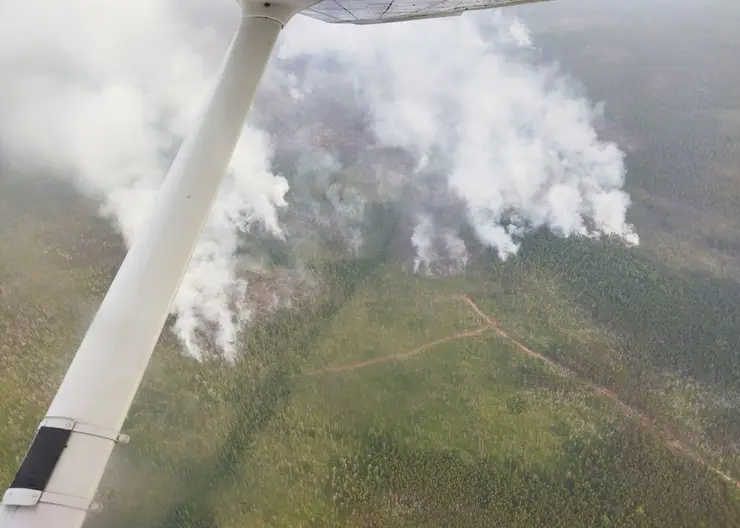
41, 459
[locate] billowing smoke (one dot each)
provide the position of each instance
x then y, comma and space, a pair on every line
102, 94
466, 97
452, 120
210, 302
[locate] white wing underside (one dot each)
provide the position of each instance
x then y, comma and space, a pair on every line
380, 11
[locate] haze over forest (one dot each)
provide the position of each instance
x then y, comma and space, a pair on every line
489, 278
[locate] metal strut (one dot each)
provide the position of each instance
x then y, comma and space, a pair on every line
57, 481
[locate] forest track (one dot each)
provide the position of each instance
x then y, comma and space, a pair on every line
668, 438
404, 355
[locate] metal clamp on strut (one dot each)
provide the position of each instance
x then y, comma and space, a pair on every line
29, 485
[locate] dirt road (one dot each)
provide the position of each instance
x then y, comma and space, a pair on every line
404, 355
668, 438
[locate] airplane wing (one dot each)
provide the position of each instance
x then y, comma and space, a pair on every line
381, 11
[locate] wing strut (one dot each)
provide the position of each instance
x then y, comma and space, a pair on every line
57, 481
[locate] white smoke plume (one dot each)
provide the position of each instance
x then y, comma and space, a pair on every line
211, 298
102, 94
517, 143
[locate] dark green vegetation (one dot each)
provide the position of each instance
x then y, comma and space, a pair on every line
622, 480
672, 103
468, 433
688, 324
